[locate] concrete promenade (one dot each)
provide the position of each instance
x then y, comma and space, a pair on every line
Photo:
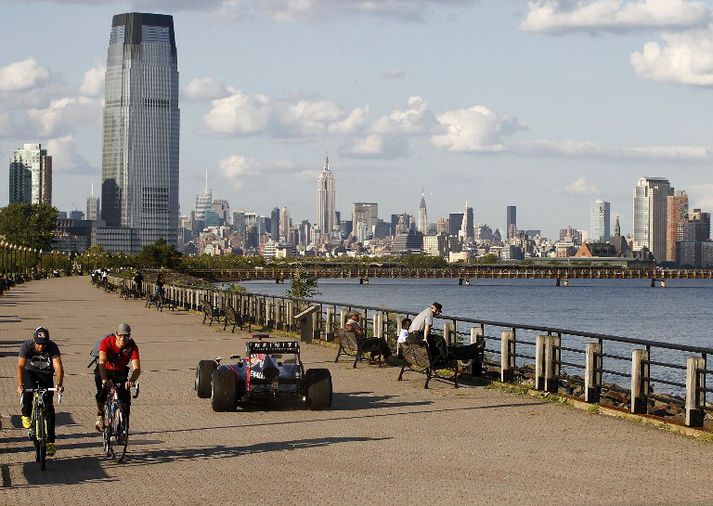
383, 441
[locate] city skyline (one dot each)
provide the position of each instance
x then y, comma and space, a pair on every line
536, 133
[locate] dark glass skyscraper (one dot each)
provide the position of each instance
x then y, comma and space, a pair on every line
141, 129
511, 221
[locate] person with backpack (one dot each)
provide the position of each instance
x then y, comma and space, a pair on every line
114, 354
39, 360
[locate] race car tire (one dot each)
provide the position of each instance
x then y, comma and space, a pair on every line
318, 386
222, 396
204, 374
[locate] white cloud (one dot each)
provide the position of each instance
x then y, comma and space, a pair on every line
683, 58
582, 187
63, 115
561, 16
205, 88
294, 117
93, 82
238, 169
65, 157
415, 119
392, 74
22, 76
701, 196
475, 130
375, 146
585, 149
238, 114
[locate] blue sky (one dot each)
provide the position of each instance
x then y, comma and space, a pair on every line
546, 105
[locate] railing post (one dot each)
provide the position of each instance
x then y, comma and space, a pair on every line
507, 356
289, 312
342, 318
268, 311
476, 365
540, 362
639, 381
593, 373
316, 332
448, 330
377, 324
552, 363
695, 393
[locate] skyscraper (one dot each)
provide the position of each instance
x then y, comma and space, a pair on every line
511, 221
92, 206
467, 232
367, 212
455, 222
204, 201
141, 129
599, 221
422, 215
275, 224
650, 215
31, 175
677, 216
326, 215
284, 224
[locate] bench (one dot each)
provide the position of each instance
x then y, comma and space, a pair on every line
234, 318
419, 357
211, 313
155, 300
351, 346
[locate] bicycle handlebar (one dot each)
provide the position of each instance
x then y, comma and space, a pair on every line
53, 389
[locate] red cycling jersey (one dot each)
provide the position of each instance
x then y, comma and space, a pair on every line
117, 359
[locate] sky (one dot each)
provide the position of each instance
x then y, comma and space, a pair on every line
547, 105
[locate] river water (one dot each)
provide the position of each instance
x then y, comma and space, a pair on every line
681, 313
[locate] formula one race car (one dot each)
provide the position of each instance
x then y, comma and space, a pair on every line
270, 371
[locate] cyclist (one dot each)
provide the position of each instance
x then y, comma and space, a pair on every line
38, 362
116, 352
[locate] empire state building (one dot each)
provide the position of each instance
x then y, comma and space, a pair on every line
326, 215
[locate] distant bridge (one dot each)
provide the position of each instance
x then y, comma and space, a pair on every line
463, 274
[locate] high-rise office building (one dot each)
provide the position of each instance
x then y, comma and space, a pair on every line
599, 221
275, 224
204, 201
677, 211
326, 212
511, 221
284, 224
455, 222
92, 206
367, 212
141, 129
650, 214
467, 232
422, 215
31, 175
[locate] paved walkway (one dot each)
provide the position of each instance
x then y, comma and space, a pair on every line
383, 441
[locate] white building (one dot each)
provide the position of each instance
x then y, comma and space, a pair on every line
31, 175
599, 220
650, 199
422, 216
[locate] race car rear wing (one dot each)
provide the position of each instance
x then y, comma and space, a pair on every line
254, 347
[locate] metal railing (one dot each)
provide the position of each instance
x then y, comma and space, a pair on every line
656, 367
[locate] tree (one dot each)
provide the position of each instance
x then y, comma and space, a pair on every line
29, 225
159, 254
489, 258
303, 284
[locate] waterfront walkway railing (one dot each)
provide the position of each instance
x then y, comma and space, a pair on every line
550, 355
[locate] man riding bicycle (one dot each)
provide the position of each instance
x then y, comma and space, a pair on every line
38, 361
116, 351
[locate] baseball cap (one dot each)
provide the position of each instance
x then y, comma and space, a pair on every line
41, 335
124, 328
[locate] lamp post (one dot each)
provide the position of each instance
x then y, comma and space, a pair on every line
2, 257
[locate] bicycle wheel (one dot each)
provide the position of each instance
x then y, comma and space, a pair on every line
120, 430
108, 450
41, 438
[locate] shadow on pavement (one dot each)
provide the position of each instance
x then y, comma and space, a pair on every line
364, 400
351, 417
223, 452
65, 471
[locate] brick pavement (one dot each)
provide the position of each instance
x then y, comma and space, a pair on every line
383, 441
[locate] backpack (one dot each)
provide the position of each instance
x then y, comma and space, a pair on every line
95, 350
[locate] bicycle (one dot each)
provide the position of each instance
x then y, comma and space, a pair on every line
116, 423
38, 430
